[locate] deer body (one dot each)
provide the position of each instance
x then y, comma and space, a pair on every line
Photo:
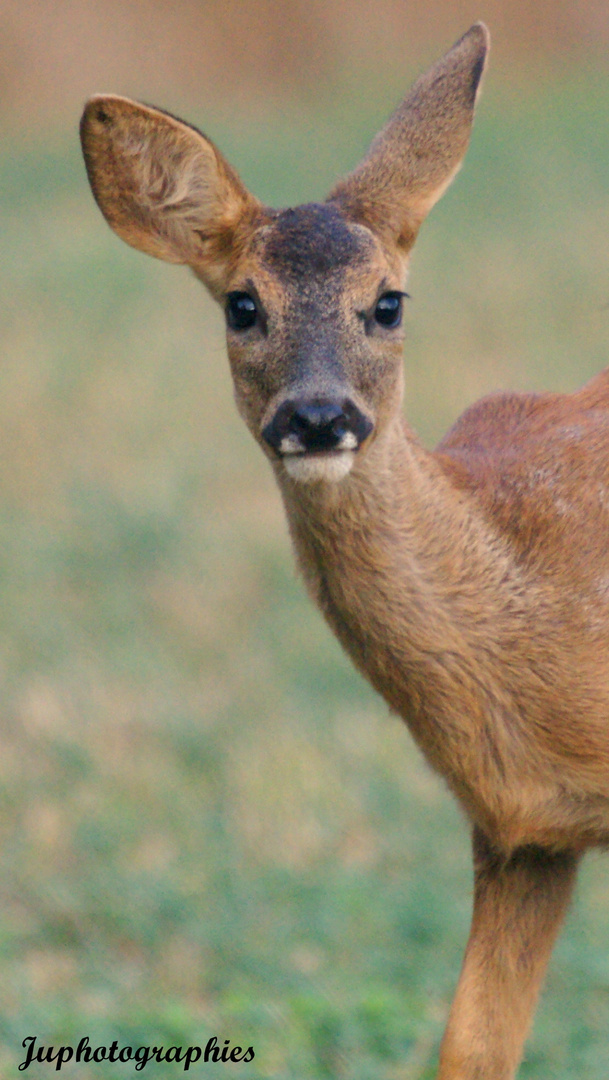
501, 677
471, 584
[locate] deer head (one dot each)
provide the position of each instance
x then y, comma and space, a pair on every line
313, 295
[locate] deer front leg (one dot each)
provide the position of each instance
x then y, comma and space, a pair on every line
519, 904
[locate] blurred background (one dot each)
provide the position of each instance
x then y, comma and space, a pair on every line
210, 825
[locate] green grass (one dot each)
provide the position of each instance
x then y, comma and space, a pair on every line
210, 825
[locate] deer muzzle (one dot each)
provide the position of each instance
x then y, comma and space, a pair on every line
317, 425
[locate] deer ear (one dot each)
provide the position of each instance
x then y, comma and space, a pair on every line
413, 159
164, 187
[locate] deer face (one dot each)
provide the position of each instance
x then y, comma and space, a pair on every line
312, 295
314, 333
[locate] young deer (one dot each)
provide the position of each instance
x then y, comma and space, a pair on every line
469, 584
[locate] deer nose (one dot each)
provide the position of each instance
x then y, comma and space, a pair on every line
312, 425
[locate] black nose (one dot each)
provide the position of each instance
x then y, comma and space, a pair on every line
316, 424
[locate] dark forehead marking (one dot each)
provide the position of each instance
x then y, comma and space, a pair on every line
312, 239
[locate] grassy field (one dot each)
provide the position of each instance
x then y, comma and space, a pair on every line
210, 825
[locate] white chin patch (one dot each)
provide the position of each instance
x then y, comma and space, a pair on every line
318, 468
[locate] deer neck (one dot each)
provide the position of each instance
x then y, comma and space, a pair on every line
414, 584
397, 550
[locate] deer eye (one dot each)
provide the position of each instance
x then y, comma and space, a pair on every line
388, 310
241, 311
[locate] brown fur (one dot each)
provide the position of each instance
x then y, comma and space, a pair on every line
470, 585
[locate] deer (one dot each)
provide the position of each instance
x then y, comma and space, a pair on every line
469, 583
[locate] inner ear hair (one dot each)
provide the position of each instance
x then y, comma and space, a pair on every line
161, 184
